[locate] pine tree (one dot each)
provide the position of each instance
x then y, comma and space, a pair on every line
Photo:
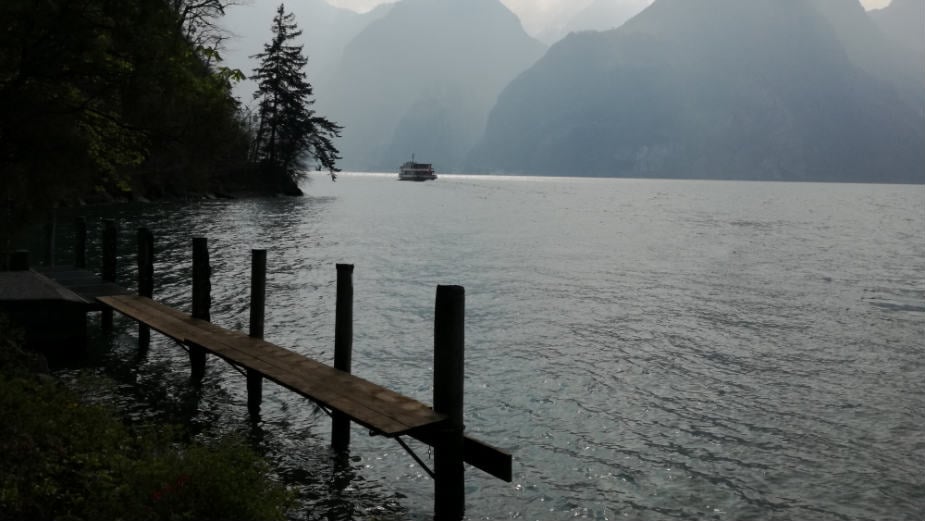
288, 130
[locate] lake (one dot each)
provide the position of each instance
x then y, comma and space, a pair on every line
647, 349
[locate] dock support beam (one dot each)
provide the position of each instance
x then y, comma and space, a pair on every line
449, 372
258, 307
145, 279
343, 349
110, 240
202, 302
80, 242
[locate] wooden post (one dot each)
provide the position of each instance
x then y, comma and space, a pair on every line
202, 302
50, 232
145, 279
449, 372
80, 242
343, 349
110, 240
258, 307
19, 260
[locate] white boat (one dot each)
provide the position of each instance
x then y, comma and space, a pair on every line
411, 171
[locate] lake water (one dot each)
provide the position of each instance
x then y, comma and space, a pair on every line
646, 349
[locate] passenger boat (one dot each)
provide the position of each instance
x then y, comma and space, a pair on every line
411, 171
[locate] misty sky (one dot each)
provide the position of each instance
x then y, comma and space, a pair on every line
537, 15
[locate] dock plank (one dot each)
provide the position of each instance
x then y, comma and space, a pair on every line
375, 407
366, 403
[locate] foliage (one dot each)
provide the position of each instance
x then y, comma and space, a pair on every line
62, 459
13, 360
112, 97
288, 130
197, 20
60, 70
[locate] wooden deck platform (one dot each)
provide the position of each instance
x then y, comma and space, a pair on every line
381, 410
86, 284
377, 408
52, 317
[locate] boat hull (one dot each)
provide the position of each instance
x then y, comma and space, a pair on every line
416, 177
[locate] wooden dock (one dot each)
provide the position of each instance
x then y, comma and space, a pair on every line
50, 305
376, 408
84, 283
381, 410
348, 398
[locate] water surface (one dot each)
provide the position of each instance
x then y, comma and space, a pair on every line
646, 349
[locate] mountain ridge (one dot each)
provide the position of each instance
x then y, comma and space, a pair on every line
416, 80
768, 90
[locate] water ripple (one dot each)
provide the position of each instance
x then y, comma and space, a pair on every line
647, 349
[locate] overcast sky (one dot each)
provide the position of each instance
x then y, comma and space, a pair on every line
536, 15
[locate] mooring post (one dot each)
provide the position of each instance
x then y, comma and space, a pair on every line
343, 349
19, 260
80, 242
145, 279
202, 302
50, 232
449, 373
110, 240
258, 309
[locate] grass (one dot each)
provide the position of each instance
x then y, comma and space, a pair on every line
63, 459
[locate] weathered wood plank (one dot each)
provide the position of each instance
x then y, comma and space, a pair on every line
164, 323
366, 403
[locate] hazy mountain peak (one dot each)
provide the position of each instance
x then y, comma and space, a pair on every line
423, 78
757, 89
603, 15
903, 21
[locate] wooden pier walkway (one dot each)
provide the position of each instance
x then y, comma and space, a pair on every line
348, 398
381, 410
376, 408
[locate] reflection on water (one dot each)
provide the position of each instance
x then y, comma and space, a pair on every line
646, 349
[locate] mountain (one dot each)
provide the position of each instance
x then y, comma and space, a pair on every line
583, 15
603, 15
903, 21
326, 30
870, 51
422, 79
728, 89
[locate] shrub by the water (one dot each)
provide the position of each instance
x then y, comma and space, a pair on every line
67, 460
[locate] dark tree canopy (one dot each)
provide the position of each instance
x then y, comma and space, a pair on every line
289, 133
112, 97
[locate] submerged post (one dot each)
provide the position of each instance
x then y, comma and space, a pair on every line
110, 240
258, 307
449, 372
343, 349
202, 302
145, 279
80, 242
